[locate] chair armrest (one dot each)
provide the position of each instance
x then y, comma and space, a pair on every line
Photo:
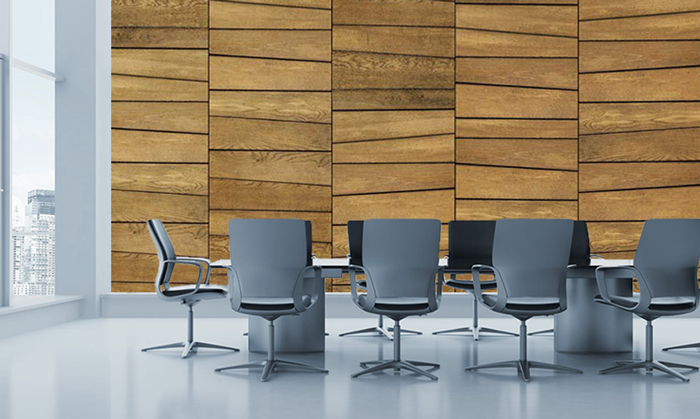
623, 272
369, 290
298, 288
234, 288
185, 261
501, 289
204, 261
593, 255
435, 295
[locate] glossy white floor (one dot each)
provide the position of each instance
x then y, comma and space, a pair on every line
94, 369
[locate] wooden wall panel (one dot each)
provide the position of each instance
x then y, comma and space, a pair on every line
244, 15
312, 107
656, 145
256, 134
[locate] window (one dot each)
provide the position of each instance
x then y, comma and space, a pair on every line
29, 197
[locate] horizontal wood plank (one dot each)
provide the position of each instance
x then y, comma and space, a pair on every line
340, 240
538, 20
539, 154
557, 73
477, 101
641, 204
635, 55
188, 239
514, 183
164, 63
298, 45
614, 236
424, 204
281, 106
661, 27
393, 99
601, 9
354, 179
598, 118
160, 38
616, 176
158, 147
357, 70
219, 248
671, 145
128, 88
137, 272
161, 116
432, 149
516, 128
252, 134
190, 179
128, 206
250, 195
273, 166
263, 74
321, 221
495, 210
228, 15
318, 4
558, 2
641, 85
473, 43
378, 125
170, 13
395, 12
433, 42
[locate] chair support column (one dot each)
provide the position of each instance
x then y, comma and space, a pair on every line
190, 325
523, 341
271, 341
397, 341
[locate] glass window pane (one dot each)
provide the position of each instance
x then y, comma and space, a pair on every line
34, 32
33, 180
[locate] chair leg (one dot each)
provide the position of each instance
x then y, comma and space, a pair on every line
687, 346
475, 329
213, 346
541, 332
168, 346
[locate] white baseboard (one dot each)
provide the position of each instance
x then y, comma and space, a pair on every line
37, 313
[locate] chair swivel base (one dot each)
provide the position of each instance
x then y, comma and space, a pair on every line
524, 366
190, 347
269, 366
397, 365
380, 330
688, 346
541, 332
650, 366
475, 331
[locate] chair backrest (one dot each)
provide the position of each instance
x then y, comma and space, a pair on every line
667, 256
470, 243
532, 256
268, 255
165, 250
580, 246
401, 256
355, 241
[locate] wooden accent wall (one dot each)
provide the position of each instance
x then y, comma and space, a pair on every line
334, 110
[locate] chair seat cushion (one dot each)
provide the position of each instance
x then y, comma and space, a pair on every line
273, 303
205, 292
396, 303
525, 303
469, 285
657, 304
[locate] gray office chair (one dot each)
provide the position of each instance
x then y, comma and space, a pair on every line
189, 295
400, 262
666, 268
470, 243
530, 259
270, 260
355, 255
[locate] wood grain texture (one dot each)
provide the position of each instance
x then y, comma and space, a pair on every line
219, 248
299, 45
281, 106
601, 9
516, 128
252, 134
477, 101
163, 63
190, 179
393, 12
251, 195
137, 272
598, 118
641, 85
128, 88
642, 204
321, 221
660, 27
431, 149
263, 74
671, 145
393, 99
273, 166
539, 20
432, 42
160, 38
614, 236
559, 2
538, 154
226, 15
158, 147
424, 204
356, 70
617, 176
318, 4
161, 116
188, 239
635, 55
131, 206
166, 13
473, 43
495, 210
377, 125
557, 73
340, 240
354, 179
514, 183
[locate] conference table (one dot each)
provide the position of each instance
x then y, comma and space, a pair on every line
585, 327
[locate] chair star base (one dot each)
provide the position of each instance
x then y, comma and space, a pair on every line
397, 365
524, 367
688, 346
650, 366
380, 330
269, 366
541, 332
190, 347
476, 332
